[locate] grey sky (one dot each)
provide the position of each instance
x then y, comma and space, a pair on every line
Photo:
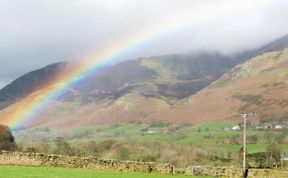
35, 33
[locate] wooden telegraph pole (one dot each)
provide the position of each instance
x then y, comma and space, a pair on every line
245, 116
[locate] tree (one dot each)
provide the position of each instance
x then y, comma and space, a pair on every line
159, 123
62, 147
89, 148
42, 146
105, 145
280, 137
252, 139
273, 154
269, 137
7, 141
122, 153
234, 139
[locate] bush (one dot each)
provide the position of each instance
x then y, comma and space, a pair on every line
274, 154
251, 99
235, 139
62, 147
7, 141
159, 123
122, 153
252, 139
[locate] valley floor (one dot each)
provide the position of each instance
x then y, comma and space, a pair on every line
210, 135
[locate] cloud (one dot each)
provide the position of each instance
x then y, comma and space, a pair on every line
36, 33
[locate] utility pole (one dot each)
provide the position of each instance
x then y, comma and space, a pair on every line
245, 116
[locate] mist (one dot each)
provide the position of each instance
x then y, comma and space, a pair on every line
37, 33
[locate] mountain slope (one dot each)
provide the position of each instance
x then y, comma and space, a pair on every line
126, 92
149, 88
258, 85
275, 45
29, 82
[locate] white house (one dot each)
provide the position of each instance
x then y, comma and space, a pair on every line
236, 127
285, 156
279, 127
149, 132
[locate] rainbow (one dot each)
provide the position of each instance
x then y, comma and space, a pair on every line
24, 112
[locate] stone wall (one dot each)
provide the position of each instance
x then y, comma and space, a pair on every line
234, 172
38, 159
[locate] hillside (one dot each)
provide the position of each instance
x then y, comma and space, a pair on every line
155, 88
258, 85
124, 93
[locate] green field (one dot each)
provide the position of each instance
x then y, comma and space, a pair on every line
213, 144
206, 135
212, 135
48, 172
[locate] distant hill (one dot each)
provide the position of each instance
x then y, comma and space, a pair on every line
275, 45
161, 70
140, 90
28, 83
126, 92
258, 85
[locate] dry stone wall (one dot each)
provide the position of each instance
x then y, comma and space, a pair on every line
38, 159
235, 173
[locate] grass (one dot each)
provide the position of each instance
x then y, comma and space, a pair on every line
208, 135
212, 126
49, 172
251, 148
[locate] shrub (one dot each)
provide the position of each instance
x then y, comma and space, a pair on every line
251, 99
274, 154
7, 141
62, 147
252, 139
159, 123
235, 139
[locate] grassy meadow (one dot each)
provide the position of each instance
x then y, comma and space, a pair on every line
212, 135
49, 172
